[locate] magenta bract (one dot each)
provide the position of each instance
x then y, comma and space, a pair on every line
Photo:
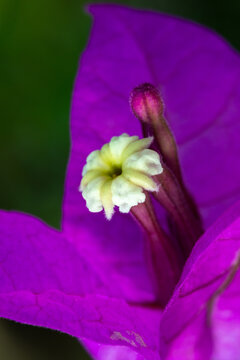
90, 279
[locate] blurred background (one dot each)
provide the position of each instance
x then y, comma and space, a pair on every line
40, 45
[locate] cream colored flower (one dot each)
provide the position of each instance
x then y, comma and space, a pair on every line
118, 173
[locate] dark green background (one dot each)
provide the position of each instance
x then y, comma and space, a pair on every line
40, 44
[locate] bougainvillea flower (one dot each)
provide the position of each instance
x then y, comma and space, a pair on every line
90, 279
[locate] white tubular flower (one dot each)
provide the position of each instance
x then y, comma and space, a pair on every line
118, 173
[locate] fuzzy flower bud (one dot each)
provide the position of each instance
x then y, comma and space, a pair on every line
146, 103
119, 173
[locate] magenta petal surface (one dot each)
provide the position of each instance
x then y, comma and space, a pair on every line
46, 282
109, 352
198, 74
36, 258
205, 308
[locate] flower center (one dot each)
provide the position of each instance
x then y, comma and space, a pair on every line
116, 171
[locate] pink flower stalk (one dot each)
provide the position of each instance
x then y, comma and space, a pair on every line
90, 279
